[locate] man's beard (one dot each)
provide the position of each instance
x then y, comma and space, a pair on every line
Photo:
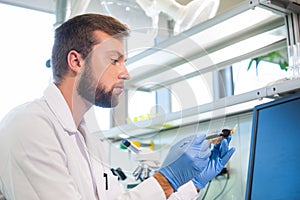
88, 89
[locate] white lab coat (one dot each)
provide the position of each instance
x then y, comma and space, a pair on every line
44, 156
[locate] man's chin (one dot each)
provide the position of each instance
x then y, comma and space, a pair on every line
111, 104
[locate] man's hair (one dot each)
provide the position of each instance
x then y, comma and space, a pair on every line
77, 34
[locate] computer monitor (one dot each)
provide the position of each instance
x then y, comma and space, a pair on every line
274, 164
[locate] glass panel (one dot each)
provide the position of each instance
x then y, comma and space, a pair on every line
141, 105
256, 77
192, 92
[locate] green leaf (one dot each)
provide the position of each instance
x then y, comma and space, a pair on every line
273, 57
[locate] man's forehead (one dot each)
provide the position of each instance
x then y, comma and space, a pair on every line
109, 43
101, 36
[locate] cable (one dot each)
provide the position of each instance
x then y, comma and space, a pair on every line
206, 190
225, 185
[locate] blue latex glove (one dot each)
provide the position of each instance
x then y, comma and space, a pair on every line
218, 159
185, 160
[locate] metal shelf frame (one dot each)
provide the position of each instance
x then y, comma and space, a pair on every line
271, 91
153, 57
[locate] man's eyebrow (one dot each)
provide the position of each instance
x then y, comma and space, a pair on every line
118, 54
115, 52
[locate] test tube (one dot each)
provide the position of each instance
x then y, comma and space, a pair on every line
130, 146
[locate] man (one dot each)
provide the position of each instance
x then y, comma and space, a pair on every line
46, 151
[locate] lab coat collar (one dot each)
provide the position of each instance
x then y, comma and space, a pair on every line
60, 108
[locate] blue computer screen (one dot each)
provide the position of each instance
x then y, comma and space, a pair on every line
274, 165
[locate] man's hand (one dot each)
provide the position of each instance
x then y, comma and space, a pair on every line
218, 159
186, 160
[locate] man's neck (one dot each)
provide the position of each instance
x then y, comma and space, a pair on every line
77, 105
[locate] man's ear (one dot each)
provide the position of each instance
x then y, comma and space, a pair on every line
74, 61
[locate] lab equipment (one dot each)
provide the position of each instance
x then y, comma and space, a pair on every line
185, 160
142, 172
148, 160
218, 159
273, 170
130, 146
119, 173
218, 136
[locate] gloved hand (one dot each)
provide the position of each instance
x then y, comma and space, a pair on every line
218, 159
185, 160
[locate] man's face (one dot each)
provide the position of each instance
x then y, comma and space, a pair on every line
102, 79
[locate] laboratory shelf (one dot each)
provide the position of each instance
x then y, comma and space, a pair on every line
222, 107
209, 46
250, 29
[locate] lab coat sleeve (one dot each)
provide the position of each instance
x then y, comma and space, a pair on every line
147, 190
185, 192
150, 189
33, 162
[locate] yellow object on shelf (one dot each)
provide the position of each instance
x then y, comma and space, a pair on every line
150, 145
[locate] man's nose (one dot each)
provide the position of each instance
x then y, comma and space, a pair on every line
124, 73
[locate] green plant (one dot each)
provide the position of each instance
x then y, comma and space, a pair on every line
276, 57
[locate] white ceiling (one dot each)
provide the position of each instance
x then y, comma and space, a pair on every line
41, 5
49, 5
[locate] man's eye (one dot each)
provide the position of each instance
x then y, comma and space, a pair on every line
114, 61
